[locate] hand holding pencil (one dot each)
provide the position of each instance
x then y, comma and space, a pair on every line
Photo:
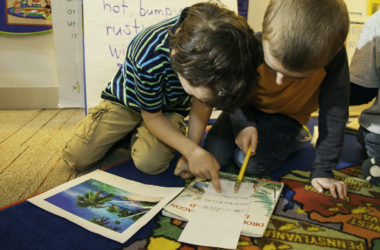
242, 170
246, 137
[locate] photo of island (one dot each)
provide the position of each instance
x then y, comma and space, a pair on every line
103, 204
106, 204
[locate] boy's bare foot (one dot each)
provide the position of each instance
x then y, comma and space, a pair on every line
182, 170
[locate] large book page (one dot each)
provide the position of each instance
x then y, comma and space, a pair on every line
261, 202
106, 204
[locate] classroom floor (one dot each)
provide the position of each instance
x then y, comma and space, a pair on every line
30, 150
31, 142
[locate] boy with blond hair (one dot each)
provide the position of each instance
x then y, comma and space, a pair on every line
303, 67
204, 58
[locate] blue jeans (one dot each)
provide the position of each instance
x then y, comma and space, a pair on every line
370, 143
276, 142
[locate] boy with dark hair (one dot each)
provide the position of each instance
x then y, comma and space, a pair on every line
365, 85
303, 66
206, 57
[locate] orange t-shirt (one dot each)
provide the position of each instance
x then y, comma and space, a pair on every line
297, 99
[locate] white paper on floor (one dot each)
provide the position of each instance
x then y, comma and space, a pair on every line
218, 219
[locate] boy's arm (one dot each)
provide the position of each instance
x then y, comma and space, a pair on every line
165, 131
241, 119
333, 115
198, 119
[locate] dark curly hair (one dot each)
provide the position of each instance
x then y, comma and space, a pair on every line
215, 48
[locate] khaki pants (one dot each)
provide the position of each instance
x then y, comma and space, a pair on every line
108, 123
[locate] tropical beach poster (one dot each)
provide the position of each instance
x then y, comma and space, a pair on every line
103, 204
106, 204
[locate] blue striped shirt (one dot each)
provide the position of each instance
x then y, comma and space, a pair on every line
146, 80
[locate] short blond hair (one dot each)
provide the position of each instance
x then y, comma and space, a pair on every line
305, 34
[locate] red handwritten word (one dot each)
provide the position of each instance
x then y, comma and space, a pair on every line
186, 209
252, 223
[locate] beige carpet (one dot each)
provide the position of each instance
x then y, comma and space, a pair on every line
31, 142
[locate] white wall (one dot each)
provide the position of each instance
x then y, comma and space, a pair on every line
28, 74
357, 8
256, 10
27, 61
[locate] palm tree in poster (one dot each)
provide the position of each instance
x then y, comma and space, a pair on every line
93, 199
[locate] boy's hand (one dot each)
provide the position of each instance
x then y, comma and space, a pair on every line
182, 169
331, 184
204, 165
248, 136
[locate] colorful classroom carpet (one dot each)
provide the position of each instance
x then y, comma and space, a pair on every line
303, 218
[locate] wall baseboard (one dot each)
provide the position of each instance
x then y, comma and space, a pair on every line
29, 98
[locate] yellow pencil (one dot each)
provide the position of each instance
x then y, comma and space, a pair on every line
242, 170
